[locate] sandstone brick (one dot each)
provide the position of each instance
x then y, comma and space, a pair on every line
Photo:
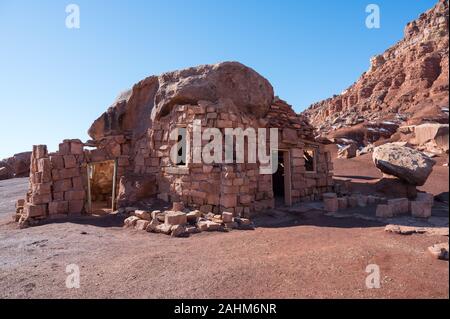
177, 206
151, 227
245, 199
142, 214
69, 173
228, 201
420, 209
58, 207
362, 200
178, 231
384, 211
193, 216
123, 161
40, 199
175, 218
77, 183
227, 217
425, 197
32, 210
39, 151
342, 203
163, 229
399, 205
42, 188
58, 195
64, 148
76, 206
141, 224
130, 221
76, 148
70, 161
62, 185
57, 161
74, 195
330, 202
20, 203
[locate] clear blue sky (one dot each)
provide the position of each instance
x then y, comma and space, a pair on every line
55, 81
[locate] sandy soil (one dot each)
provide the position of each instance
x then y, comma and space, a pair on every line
306, 255
10, 191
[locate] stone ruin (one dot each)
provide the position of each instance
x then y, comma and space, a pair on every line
128, 159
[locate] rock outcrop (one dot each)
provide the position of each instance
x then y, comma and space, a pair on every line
407, 84
16, 166
154, 97
406, 163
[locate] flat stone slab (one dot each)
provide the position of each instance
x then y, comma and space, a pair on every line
409, 230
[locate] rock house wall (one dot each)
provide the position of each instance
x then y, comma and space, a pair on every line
134, 133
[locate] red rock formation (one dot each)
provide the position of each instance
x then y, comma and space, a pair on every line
407, 84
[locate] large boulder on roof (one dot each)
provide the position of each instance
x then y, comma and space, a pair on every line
134, 110
245, 87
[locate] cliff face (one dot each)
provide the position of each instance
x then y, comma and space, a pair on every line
407, 84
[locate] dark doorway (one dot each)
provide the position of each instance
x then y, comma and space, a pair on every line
101, 185
278, 178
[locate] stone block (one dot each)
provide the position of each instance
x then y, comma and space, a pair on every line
32, 210
62, 185
330, 202
228, 201
74, 195
64, 148
42, 188
57, 161
178, 231
175, 218
384, 211
40, 199
76, 206
76, 148
58, 207
227, 217
130, 221
141, 224
69, 173
142, 214
39, 151
425, 197
399, 205
77, 183
420, 209
70, 161
177, 206
342, 203
362, 200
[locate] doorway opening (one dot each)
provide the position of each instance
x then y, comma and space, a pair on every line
102, 187
281, 180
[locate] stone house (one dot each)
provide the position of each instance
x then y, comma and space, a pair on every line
128, 158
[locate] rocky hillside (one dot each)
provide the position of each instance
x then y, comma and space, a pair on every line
406, 85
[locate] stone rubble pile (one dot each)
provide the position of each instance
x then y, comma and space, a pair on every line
183, 222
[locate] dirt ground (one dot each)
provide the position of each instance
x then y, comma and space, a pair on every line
288, 255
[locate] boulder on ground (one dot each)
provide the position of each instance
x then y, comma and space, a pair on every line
439, 251
403, 162
5, 173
